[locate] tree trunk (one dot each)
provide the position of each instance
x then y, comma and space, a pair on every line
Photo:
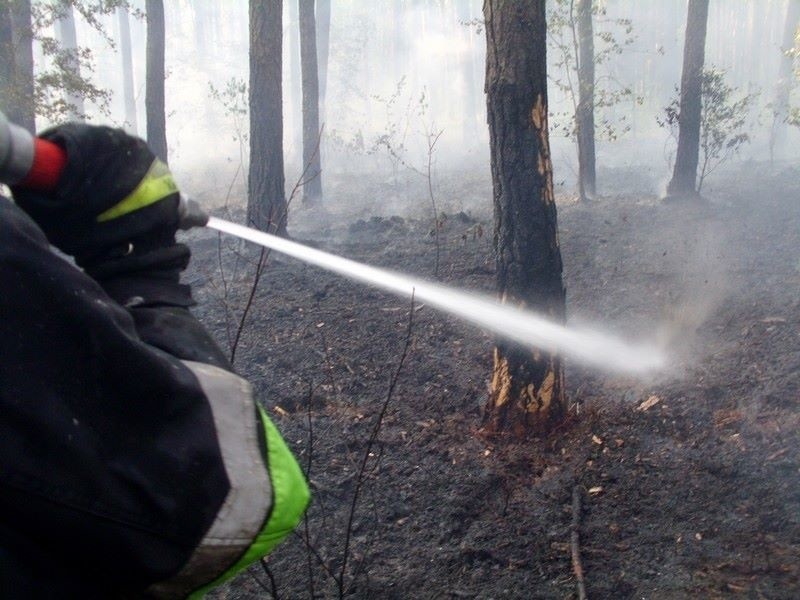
7, 88
127, 69
312, 187
584, 118
22, 112
785, 80
154, 94
684, 176
527, 388
323, 18
266, 198
65, 33
295, 82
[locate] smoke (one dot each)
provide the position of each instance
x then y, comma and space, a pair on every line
701, 287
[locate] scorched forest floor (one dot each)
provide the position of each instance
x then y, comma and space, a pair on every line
689, 480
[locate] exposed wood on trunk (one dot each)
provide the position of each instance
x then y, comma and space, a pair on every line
266, 200
684, 177
527, 389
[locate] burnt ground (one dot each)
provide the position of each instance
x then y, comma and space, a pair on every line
696, 496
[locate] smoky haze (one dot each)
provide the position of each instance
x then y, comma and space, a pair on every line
397, 74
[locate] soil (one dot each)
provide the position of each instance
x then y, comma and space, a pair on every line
689, 480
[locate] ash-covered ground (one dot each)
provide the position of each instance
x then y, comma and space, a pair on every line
690, 480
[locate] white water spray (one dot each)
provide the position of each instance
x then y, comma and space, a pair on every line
590, 347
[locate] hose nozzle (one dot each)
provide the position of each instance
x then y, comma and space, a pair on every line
16, 152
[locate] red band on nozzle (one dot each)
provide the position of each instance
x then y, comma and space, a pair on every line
49, 161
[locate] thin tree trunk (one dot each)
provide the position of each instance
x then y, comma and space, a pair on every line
65, 33
527, 388
471, 86
295, 82
7, 88
22, 111
323, 19
312, 188
266, 199
785, 80
585, 114
684, 177
154, 94
127, 69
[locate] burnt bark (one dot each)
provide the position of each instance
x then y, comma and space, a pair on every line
584, 117
154, 93
786, 80
21, 110
266, 200
684, 176
527, 388
312, 181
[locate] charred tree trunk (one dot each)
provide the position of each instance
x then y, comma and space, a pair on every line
584, 118
22, 109
785, 80
65, 33
312, 186
684, 176
323, 19
527, 389
127, 69
154, 93
266, 199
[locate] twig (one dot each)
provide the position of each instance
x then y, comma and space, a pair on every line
432, 139
266, 253
368, 450
273, 589
308, 478
574, 542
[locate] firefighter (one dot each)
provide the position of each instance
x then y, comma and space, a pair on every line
133, 461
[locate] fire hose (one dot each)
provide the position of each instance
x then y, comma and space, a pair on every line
37, 164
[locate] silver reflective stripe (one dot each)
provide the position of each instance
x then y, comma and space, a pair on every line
248, 502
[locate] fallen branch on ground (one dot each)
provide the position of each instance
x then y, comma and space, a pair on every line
574, 542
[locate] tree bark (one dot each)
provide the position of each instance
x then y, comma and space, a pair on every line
323, 18
684, 176
527, 388
65, 33
7, 88
154, 93
127, 69
587, 177
312, 186
785, 80
295, 83
22, 112
266, 199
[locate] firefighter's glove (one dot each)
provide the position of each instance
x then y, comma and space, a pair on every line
116, 207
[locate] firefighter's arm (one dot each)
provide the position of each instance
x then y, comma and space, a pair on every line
116, 211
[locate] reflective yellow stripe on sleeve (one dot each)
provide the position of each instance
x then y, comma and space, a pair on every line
156, 185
